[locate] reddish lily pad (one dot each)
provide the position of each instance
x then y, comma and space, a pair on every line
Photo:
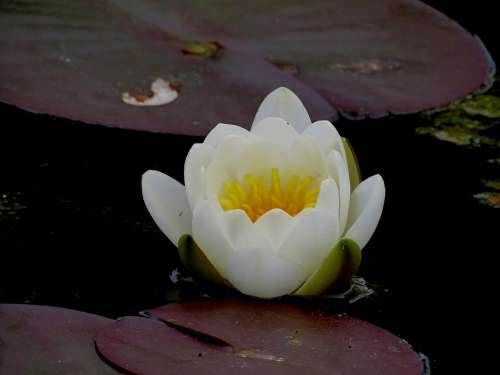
366, 57
75, 60
49, 340
256, 336
149, 347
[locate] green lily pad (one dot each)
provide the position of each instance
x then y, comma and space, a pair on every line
196, 263
352, 164
336, 271
470, 122
459, 118
11, 207
492, 184
458, 135
483, 105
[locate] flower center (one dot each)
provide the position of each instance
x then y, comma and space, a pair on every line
256, 199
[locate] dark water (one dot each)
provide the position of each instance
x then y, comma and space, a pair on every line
74, 231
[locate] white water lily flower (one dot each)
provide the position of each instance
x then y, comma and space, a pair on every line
271, 208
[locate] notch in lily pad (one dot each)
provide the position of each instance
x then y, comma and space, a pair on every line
202, 48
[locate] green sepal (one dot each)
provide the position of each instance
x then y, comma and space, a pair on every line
336, 271
196, 263
352, 164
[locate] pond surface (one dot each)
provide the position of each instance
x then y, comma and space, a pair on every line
74, 231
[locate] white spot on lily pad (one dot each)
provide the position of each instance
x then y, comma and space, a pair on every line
163, 92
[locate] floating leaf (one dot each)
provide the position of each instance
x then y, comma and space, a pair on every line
459, 136
49, 340
74, 59
492, 184
11, 207
458, 118
149, 347
454, 124
258, 337
483, 105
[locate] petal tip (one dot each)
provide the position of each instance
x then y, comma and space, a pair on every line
284, 103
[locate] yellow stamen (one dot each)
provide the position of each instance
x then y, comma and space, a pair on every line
253, 197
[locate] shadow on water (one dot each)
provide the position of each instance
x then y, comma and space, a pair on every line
74, 231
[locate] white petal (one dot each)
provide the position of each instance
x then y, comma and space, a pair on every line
311, 238
338, 170
215, 175
367, 202
199, 157
275, 130
229, 151
284, 104
242, 233
166, 201
216, 136
328, 197
327, 136
306, 158
276, 224
259, 157
209, 235
224, 163
263, 275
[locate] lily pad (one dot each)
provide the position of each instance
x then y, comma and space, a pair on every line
492, 184
458, 135
38, 340
75, 60
471, 122
366, 57
149, 347
483, 105
270, 335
